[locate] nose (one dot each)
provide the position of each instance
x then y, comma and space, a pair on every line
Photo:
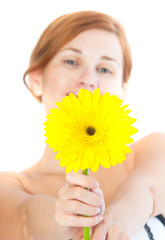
88, 80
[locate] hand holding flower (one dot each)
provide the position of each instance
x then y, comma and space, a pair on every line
75, 201
89, 131
108, 230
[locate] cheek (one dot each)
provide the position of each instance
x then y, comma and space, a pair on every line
50, 90
55, 86
118, 90
57, 77
113, 86
51, 81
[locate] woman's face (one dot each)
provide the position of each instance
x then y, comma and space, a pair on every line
91, 60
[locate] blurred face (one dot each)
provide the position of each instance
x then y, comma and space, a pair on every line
91, 60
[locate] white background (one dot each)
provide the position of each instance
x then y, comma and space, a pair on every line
22, 22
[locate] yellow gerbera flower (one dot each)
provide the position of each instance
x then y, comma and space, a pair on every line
89, 130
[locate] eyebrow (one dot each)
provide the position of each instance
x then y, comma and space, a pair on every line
80, 52
109, 59
72, 49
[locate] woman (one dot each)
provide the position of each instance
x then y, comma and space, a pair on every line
82, 50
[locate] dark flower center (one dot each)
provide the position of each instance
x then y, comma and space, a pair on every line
90, 131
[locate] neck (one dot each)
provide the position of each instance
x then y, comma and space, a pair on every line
49, 164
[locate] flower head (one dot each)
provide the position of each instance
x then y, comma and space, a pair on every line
89, 130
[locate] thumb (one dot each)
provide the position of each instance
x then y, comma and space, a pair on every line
99, 232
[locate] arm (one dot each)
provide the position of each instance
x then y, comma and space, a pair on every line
23, 216
11, 198
43, 217
141, 195
150, 162
38, 214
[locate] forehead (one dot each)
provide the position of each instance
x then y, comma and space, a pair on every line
97, 41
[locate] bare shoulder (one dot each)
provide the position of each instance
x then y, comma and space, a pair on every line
154, 139
11, 184
153, 143
12, 197
152, 146
10, 178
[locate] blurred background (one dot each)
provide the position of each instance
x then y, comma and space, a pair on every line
22, 138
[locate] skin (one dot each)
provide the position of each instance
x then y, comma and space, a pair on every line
78, 65
44, 201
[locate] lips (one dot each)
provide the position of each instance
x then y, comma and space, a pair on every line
76, 94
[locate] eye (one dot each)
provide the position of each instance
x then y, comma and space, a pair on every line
71, 62
104, 70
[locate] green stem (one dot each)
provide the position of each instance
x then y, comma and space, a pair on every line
86, 229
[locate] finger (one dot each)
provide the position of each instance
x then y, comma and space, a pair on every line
122, 236
107, 231
115, 233
81, 194
99, 192
76, 207
77, 221
81, 180
99, 232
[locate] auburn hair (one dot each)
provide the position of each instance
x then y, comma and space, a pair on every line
65, 28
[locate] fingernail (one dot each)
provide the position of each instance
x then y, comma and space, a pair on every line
98, 210
95, 184
100, 218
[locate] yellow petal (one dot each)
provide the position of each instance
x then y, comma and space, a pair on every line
66, 130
